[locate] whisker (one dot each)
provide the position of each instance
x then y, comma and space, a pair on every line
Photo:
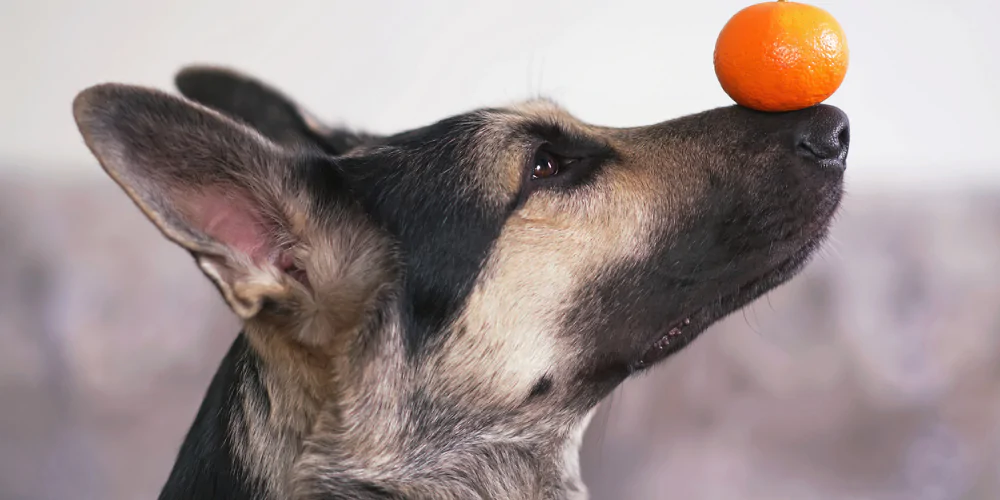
747, 321
605, 408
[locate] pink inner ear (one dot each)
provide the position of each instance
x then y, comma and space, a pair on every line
231, 218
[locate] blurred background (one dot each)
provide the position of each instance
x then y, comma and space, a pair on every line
874, 375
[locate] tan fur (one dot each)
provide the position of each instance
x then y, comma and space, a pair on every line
547, 250
296, 381
300, 372
507, 335
342, 391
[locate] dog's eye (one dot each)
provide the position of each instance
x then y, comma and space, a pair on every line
545, 165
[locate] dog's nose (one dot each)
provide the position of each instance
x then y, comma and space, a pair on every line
824, 137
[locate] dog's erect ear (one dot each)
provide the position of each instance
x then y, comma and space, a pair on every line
264, 108
210, 184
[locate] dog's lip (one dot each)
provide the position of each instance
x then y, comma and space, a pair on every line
685, 330
666, 344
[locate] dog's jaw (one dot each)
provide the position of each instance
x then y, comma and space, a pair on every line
684, 331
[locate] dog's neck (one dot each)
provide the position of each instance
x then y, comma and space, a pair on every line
249, 442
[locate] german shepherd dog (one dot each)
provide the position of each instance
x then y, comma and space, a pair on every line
435, 314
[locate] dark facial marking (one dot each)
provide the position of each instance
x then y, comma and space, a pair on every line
563, 160
761, 210
421, 187
541, 388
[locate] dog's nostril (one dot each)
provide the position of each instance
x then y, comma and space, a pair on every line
825, 137
845, 136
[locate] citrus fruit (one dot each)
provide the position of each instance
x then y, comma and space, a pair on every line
781, 56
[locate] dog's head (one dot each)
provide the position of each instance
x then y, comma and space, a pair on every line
504, 260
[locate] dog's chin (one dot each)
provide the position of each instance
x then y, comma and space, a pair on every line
690, 325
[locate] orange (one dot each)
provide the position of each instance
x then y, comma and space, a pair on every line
781, 56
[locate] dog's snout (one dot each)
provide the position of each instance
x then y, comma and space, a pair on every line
824, 137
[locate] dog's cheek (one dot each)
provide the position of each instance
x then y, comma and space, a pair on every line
506, 338
511, 338
498, 349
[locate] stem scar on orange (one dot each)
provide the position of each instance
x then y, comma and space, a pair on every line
781, 56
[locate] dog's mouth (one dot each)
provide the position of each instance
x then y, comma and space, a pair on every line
698, 320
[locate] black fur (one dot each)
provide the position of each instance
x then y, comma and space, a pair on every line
541, 388
415, 186
733, 203
207, 467
267, 110
741, 234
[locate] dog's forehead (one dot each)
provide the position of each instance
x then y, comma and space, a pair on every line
538, 111
491, 145
504, 138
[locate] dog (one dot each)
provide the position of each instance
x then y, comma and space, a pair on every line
435, 314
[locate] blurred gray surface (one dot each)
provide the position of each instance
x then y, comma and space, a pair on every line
874, 375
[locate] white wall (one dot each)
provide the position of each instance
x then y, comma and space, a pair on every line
921, 90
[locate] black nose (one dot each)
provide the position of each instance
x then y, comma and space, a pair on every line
824, 136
